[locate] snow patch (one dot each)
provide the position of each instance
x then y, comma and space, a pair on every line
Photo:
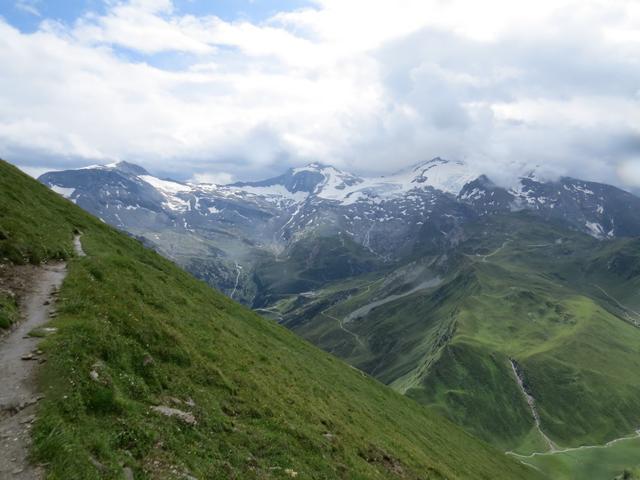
165, 186
66, 192
274, 191
594, 229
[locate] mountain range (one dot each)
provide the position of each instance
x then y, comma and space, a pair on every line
512, 310
146, 372
221, 232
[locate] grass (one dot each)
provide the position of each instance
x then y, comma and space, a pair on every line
310, 263
8, 311
265, 401
606, 462
517, 288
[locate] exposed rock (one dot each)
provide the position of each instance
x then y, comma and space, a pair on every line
127, 473
99, 466
186, 417
28, 419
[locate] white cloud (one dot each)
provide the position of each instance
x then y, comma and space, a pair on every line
141, 26
629, 172
219, 178
364, 85
28, 6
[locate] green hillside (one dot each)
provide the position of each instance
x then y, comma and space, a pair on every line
558, 304
265, 403
617, 461
310, 263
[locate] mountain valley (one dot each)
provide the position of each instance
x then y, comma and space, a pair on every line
148, 373
513, 311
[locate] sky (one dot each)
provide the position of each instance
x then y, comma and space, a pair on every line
231, 90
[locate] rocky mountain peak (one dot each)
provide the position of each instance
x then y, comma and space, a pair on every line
130, 168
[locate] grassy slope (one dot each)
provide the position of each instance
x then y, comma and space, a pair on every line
264, 400
600, 462
449, 347
312, 262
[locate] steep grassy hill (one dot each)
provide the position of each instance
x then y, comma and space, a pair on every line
448, 331
135, 331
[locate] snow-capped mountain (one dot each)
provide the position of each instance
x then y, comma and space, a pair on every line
600, 210
226, 229
329, 183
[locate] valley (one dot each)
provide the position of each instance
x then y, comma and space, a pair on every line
319, 240
509, 310
151, 373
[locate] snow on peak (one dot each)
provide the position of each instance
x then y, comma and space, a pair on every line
325, 181
66, 192
121, 166
165, 186
170, 190
335, 183
445, 175
311, 167
439, 174
106, 166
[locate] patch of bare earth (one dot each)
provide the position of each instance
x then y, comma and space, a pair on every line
35, 288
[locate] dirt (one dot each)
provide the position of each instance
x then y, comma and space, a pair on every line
36, 288
19, 357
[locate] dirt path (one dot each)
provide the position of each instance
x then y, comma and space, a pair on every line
577, 449
77, 246
19, 358
18, 393
495, 252
342, 327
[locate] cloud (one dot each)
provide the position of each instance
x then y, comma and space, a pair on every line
219, 178
501, 85
28, 6
629, 172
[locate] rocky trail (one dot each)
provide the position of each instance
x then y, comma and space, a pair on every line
19, 358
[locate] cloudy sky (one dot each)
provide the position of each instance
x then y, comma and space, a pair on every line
220, 90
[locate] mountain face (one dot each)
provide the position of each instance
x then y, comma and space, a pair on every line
600, 210
222, 232
512, 310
